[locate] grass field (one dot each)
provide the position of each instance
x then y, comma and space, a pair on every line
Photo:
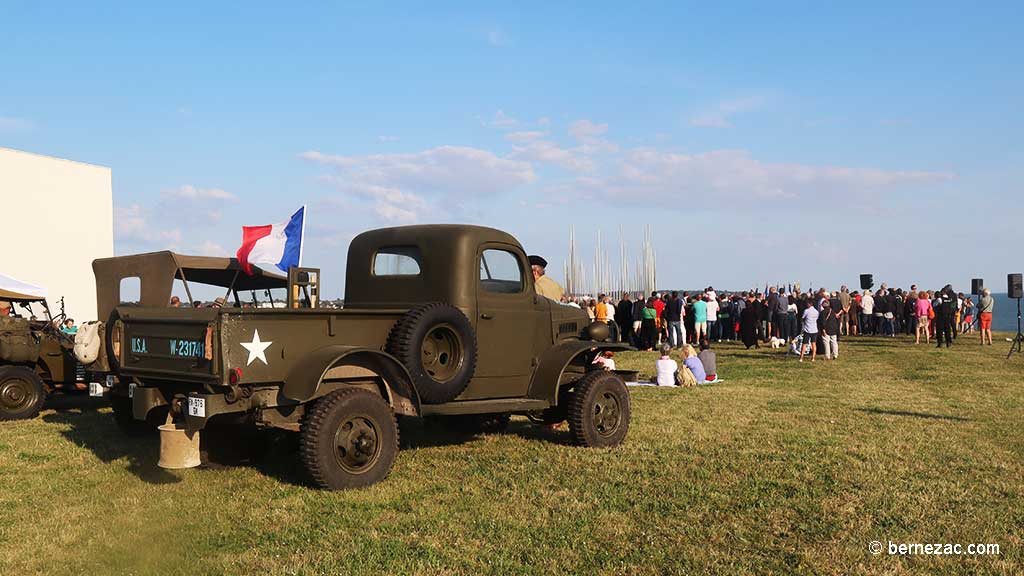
784, 468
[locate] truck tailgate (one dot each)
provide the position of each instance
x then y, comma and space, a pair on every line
163, 346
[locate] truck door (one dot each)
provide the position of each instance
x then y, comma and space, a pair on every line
506, 321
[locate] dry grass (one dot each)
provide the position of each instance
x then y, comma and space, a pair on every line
785, 468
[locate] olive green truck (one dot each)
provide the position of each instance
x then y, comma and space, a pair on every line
438, 320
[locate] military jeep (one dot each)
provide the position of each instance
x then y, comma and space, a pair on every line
438, 320
36, 358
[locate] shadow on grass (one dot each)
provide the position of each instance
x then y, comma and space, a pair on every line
274, 453
882, 412
436, 432
97, 432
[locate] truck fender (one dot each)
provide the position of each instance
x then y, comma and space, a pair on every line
547, 378
304, 379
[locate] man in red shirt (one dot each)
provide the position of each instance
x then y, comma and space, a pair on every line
659, 308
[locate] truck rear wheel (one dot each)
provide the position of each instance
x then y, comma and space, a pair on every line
599, 410
22, 393
349, 439
437, 345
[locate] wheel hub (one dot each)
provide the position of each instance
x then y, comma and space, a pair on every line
357, 444
442, 353
607, 414
15, 394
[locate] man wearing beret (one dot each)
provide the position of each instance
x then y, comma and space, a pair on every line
542, 284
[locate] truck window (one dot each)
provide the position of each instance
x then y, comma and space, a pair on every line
397, 261
130, 290
500, 272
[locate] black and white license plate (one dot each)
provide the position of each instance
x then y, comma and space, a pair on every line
197, 407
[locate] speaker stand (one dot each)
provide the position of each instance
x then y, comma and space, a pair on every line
1018, 340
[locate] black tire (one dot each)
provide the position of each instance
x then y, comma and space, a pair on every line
125, 418
599, 410
554, 414
22, 393
108, 340
349, 439
481, 423
436, 343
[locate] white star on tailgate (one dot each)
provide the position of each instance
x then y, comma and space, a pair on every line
256, 348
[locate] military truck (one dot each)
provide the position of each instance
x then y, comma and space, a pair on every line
36, 357
439, 320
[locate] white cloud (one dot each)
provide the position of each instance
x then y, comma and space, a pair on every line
551, 153
12, 124
589, 134
721, 115
585, 130
210, 248
189, 192
524, 136
405, 187
708, 178
502, 120
131, 224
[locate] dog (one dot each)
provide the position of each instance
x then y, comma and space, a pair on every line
777, 342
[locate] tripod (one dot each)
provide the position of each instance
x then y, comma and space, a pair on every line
1018, 340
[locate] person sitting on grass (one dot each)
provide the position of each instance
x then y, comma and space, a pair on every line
666, 368
691, 361
709, 360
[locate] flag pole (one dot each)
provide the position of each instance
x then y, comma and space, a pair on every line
302, 235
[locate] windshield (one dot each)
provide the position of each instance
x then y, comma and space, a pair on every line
29, 310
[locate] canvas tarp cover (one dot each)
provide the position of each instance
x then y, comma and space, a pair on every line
12, 289
158, 270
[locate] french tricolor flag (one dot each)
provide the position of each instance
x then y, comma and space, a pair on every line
277, 244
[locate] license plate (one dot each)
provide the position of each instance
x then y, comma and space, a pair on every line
131, 389
197, 407
110, 381
95, 389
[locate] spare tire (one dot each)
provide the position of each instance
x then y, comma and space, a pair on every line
437, 345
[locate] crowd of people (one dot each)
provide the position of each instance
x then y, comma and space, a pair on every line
805, 322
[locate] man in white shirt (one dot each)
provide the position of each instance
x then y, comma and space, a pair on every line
712, 311
867, 309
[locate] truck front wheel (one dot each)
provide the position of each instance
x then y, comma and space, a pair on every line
22, 393
599, 410
349, 439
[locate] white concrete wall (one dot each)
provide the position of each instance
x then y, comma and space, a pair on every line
56, 217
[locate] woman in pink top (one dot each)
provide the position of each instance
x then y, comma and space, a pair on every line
924, 306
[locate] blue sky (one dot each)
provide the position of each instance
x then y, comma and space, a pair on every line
762, 142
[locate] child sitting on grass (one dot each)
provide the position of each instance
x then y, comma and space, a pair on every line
709, 360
